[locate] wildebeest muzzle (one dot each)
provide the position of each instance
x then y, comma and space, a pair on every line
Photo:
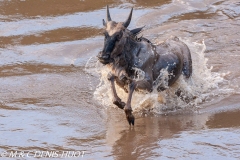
104, 58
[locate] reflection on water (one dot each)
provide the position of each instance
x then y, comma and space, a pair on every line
201, 145
47, 76
224, 120
176, 136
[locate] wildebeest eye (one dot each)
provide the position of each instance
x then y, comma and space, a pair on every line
119, 36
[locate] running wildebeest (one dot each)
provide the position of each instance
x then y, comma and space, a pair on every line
124, 52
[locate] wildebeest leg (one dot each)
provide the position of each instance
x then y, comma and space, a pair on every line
128, 108
187, 60
160, 83
116, 100
145, 84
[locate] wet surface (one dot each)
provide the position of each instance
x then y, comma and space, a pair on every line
49, 77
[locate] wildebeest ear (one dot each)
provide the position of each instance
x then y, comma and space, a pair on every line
136, 30
104, 23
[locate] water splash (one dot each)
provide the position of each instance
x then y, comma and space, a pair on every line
139, 74
201, 87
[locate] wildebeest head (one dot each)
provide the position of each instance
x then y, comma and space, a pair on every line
115, 38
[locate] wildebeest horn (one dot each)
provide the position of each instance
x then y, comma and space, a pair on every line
127, 22
108, 14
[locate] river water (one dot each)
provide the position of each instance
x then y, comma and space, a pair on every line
53, 95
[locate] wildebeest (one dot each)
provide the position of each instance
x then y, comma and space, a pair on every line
124, 52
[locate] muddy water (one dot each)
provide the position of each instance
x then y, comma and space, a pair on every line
49, 80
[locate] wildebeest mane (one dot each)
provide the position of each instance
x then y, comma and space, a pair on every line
125, 59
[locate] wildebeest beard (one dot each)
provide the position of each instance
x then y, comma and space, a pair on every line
125, 59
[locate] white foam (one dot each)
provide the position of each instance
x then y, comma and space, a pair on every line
201, 87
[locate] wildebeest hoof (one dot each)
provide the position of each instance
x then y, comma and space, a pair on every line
119, 103
129, 116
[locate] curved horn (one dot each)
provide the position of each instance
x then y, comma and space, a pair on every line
127, 22
108, 14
